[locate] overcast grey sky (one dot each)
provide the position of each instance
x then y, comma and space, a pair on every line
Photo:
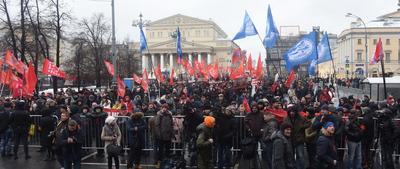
228, 14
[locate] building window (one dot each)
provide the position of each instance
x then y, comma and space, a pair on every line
359, 57
205, 33
387, 57
398, 56
375, 41
197, 33
387, 41
359, 41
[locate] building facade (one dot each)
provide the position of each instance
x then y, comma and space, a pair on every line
202, 40
350, 55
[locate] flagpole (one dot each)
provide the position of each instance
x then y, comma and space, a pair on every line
334, 68
383, 76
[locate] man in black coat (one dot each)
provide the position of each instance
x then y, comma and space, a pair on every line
326, 148
20, 123
71, 142
5, 130
225, 129
47, 124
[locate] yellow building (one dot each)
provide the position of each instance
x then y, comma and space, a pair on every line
202, 40
349, 56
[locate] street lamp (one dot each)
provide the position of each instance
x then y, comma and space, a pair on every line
140, 23
366, 44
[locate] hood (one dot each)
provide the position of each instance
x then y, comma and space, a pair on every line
137, 115
278, 135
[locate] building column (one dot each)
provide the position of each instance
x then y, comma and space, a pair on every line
171, 61
144, 62
162, 61
209, 60
199, 57
152, 61
190, 58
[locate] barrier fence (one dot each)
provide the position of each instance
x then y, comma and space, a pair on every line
92, 134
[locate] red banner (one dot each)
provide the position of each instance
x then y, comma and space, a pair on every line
250, 65
246, 105
259, 70
171, 77
51, 69
10, 59
237, 73
30, 79
290, 79
159, 75
213, 70
145, 80
137, 79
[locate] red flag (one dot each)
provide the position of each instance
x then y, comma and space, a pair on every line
280, 114
121, 87
250, 64
110, 67
137, 79
236, 55
171, 77
158, 74
145, 80
290, 79
246, 105
5, 77
30, 79
196, 66
238, 73
259, 70
10, 59
51, 69
20, 67
213, 70
378, 53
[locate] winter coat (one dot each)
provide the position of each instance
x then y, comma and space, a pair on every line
225, 128
282, 153
47, 124
271, 126
298, 131
190, 122
136, 137
20, 121
178, 129
4, 121
163, 126
326, 151
353, 130
254, 122
108, 133
71, 151
204, 147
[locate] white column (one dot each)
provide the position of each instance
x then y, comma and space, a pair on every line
162, 61
144, 62
190, 58
199, 57
171, 61
209, 58
152, 61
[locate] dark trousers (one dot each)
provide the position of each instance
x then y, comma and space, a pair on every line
311, 150
387, 155
164, 149
110, 159
59, 155
21, 137
76, 164
224, 155
135, 153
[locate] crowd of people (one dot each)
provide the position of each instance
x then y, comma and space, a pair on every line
284, 127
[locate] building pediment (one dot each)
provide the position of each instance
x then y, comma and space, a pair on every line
172, 44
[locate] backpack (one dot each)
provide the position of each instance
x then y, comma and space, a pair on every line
249, 147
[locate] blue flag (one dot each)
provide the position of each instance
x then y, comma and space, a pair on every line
143, 41
324, 52
302, 52
311, 68
247, 29
272, 33
178, 45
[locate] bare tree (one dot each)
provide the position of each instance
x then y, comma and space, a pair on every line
11, 30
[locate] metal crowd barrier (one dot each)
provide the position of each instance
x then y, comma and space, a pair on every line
92, 131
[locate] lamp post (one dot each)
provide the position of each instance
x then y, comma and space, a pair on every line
113, 49
141, 23
366, 44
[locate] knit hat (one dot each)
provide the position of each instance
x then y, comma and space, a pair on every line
110, 119
209, 121
328, 124
285, 126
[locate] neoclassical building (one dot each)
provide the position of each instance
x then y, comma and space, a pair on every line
202, 40
350, 55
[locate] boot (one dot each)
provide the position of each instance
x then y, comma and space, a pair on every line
137, 166
158, 163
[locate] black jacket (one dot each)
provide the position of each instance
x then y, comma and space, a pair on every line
353, 130
225, 128
282, 153
20, 121
73, 150
136, 138
254, 122
4, 121
326, 150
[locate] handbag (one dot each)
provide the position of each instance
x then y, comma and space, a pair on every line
31, 131
114, 149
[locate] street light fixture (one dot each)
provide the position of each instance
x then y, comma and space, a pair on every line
366, 44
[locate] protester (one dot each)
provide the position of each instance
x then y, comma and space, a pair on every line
111, 135
20, 123
326, 149
204, 143
47, 124
136, 127
71, 142
6, 131
282, 153
163, 129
